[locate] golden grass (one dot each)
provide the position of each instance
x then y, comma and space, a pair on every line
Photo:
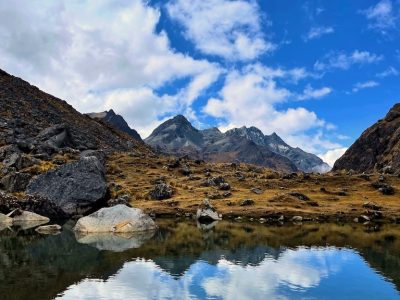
134, 176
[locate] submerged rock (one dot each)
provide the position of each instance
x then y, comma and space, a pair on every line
206, 213
76, 187
119, 218
49, 229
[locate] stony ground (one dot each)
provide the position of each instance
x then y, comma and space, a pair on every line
250, 191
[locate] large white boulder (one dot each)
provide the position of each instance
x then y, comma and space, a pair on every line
119, 218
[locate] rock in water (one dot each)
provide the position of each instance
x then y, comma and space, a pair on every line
206, 213
75, 187
26, 216
49, 229
119, 218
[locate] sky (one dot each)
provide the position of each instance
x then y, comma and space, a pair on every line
317, 73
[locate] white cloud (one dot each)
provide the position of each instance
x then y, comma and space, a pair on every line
345, 61
364, 85
230, 29
332, 155
311, 93
381, 16
251, 98
391, 71
317, 32
90, 52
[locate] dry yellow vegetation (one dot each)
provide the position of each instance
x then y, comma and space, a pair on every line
331, 196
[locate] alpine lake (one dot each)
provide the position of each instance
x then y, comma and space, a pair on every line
187, 260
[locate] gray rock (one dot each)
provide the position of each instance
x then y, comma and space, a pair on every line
119, 218
75, 188
206, 213
101, 156
224, 186
161, 191
15, 182
19, 161
257, 191
49, 229
247, 202
53, 138
8, 150
297, 219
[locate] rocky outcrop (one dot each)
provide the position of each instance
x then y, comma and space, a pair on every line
75, 188
377, 148
116, 219
20, 216
249, 145
116, 121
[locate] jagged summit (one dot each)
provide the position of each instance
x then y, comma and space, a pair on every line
117, 121
376, 148
247, 144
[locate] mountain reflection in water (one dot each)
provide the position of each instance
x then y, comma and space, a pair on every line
184, 261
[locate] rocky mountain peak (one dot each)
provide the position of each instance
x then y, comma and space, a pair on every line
116, 121
377, 147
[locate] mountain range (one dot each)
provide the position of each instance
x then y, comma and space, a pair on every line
177, 136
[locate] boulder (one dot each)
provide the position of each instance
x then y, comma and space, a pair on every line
213, 181
161, 191
224, 186
257, 191
206, 213
15, 182
53, 138
49, 229
75, 188
124, 199
101, 155
118, 219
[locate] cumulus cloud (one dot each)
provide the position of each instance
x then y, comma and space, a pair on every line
332, 155
317, 32
229, 29
364, 85
92, 52
345, 61
311, 93
250, 97
381, 16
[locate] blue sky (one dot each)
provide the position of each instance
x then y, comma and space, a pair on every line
316, 72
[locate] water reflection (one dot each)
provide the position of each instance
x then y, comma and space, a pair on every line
227, 261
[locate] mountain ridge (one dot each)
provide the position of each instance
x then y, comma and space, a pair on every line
178, 136
377, 148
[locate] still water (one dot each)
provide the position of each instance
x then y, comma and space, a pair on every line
185, 261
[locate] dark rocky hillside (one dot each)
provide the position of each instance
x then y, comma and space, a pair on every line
377, 149
116, 121
177, 136
27, 114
